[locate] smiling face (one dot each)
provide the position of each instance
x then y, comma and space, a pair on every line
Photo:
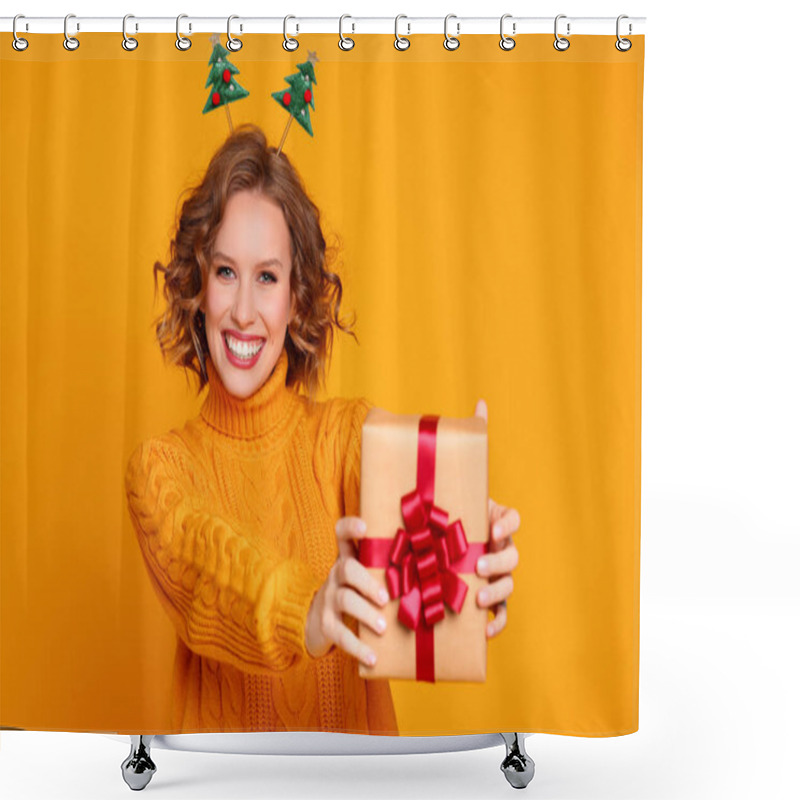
248, 302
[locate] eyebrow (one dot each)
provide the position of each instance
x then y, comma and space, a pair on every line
270, 262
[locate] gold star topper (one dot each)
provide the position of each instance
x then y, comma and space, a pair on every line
214, 38
312, 56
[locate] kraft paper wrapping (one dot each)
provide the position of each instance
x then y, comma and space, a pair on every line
389, 471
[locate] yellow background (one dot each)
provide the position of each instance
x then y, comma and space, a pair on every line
488, 206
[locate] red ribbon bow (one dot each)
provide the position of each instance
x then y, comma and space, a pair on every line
420, 561
423, 559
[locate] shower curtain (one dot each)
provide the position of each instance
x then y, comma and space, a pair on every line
483, 212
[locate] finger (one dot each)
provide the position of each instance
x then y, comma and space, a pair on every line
348, 529
498, 563
353, 573
344, 638
482, 410
499, 621
505, 522
495, 592
352, 603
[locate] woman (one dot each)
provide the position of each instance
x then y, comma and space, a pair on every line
247, 515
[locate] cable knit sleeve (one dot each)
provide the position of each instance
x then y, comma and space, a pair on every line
228, 600
351, 447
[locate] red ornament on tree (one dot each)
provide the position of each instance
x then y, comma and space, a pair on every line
226, 76
307, 96
215, 98
287, 98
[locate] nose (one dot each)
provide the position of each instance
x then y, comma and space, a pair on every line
244, 309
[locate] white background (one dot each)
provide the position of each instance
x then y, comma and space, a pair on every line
719, 598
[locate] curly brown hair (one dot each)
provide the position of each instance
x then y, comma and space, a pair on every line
246, 162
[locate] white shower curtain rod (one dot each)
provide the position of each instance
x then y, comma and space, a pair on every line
348, 25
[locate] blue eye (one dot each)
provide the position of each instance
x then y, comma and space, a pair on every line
226, 272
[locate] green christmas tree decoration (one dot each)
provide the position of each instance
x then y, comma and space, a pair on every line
224, 88
300, 94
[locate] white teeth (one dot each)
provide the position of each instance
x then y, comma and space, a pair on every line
243, 349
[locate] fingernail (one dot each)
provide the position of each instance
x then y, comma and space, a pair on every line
372, 658
481, 565
490, 630
497, 529
381, 624
482, 597
362, 526
383, 596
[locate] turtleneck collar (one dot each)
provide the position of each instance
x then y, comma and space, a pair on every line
259, 415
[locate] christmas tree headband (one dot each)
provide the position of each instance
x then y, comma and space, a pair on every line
225, 89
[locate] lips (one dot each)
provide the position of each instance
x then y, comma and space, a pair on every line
242, 350
243, 337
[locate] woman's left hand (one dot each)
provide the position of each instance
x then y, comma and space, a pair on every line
501, 559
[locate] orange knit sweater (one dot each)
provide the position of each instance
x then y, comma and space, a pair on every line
235, 516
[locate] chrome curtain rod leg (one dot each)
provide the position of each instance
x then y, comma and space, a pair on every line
517, 766
138, 768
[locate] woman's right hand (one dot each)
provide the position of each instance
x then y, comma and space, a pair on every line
348, 589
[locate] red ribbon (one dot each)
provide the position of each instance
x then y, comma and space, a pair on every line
423, 559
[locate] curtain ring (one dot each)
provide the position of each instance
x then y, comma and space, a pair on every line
345, 42
233, 44
451, 42
506, 42
623, 45
182, 43
400, 42
70, 42
289, 39
560, 43
128, 42
19, 43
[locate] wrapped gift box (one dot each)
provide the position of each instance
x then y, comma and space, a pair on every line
425, 500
